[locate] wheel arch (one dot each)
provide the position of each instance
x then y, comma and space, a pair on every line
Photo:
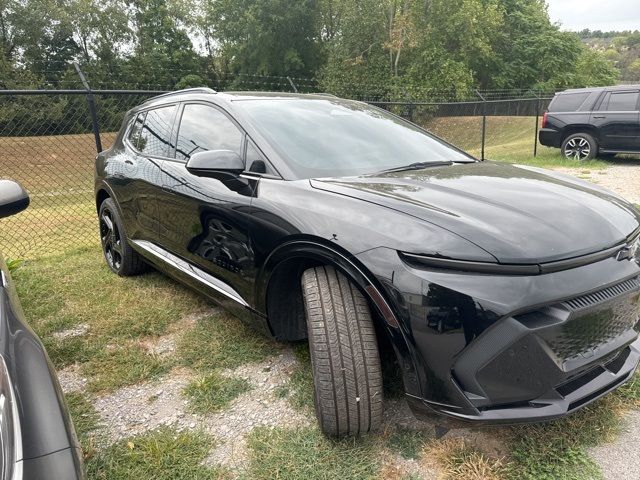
279, 297
580, 128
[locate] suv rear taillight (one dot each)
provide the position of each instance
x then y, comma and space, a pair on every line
544, 120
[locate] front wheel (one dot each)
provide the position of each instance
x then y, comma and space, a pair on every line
344, 354
580, 146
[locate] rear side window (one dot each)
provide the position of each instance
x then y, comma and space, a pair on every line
154, 139
568, 102
136, 131
205, 128
623, 101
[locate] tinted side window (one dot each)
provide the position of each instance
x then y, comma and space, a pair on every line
206, 128
136, 130
568, 102
623, 101
155, 136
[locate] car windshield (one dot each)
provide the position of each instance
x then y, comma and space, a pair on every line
338, 138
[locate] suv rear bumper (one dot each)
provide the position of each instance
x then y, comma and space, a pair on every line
550, 137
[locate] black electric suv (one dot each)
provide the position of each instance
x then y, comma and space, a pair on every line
589, 122
37, 439
505, 293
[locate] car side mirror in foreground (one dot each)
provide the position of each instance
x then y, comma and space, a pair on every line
13, 198
220, 164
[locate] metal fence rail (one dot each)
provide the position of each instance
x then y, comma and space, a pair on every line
49, 139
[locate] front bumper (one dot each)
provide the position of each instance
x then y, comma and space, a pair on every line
508, 349
559, 401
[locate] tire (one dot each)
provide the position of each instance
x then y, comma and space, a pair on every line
344, 354
579, 146
118, 254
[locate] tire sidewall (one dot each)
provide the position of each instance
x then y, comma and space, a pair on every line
110, 205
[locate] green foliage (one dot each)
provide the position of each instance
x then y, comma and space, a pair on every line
358, 48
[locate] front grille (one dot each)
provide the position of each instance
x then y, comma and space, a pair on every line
575, 328
600, 296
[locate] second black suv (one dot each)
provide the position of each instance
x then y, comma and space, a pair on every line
587, 122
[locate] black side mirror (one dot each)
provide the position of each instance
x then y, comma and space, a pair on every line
13, 198
220, 164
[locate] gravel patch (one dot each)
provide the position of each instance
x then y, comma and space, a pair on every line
621, 178
137, 409
620, 459
71, 380
76, 331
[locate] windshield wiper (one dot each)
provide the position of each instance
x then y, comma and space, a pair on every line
417, 166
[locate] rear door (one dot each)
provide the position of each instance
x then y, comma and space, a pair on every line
136, 174
617, 118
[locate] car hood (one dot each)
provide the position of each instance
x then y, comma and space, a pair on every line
517, 214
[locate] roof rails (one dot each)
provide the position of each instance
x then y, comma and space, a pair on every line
186, 90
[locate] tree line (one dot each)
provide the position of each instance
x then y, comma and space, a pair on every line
357, 48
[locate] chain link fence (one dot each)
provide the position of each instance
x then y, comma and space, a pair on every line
48, 142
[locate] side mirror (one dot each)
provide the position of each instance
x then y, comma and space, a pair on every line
13, 198
220, 164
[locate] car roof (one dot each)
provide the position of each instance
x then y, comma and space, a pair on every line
203, 93
599, 89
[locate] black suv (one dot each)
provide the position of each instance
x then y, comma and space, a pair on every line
588, 122
310, 216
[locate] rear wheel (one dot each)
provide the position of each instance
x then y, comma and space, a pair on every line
344, 354
120, 257
580, 146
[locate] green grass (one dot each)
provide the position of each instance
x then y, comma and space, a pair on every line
63, 291
559, 449
162, 454
408, 443
300, 387
120, 366
222, 341
509, 139
306, 454
85, 418
213, 392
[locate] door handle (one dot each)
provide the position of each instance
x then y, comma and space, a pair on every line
599, 116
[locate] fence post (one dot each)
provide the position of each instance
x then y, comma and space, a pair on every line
535, 139
293, 85
484, 122
92, 108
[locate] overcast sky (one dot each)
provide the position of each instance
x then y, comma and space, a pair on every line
602, 15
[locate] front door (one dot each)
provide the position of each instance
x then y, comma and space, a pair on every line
202, 220
618, 120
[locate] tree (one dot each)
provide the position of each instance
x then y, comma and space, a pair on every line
268, 37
